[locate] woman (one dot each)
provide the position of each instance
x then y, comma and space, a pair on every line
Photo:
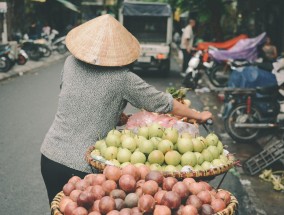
96, 86
269, 50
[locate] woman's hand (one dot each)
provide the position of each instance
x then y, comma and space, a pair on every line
204, 116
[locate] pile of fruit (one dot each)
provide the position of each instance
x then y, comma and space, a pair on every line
138, 190
162, 149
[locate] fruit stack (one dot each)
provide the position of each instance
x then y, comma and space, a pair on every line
162, 149
138, 190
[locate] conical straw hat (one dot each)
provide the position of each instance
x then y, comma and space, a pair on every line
103, 41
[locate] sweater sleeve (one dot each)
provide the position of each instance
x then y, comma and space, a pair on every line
142, 95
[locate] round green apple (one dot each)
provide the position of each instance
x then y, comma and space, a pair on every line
111, 153
220, 147
123, 155
129, 143
206, 165
199, 158
124, 164
198, 146
170, 134
137, 157
184, 145
165, 146
146, 146
188, 159
155, 130
115, 132
156, 141
170, 168
217, 162
155, 167
115, 162
214, 151
156, 156
212, 139
207, 155
143, 131
172, 158
113, 139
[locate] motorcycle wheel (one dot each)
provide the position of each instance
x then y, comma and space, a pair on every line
21, 60
34, 53
219, 75
61, 48
239, 115
45, 50
189, 81
5, 64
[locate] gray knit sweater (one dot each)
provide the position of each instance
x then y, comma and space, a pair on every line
90, 103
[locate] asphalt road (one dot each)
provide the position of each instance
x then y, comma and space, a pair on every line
27, 107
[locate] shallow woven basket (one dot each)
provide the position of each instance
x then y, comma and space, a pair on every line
99, 167
229, 210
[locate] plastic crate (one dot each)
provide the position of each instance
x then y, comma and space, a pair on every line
265, 158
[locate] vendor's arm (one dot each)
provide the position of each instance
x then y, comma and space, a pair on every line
180, 109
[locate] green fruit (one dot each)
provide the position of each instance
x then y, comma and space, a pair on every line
170, 134
206, 165
139, 139
220, 147
179, 167
123, 155
155, 167
156, 156
156, 141
99, 144
165, 146
115, 162
113, 140
224, 159
128, 132
207, 155
214, 151
95, 153
124, 164
146, 146
139, 164
212, 139
199, 158
137, 157
203, 141
217, 162
155, 130
184, 145
172, 158
188, 159
170, 168
143, 131
198, 168
129, 143
198, 146
110, 153
114, 132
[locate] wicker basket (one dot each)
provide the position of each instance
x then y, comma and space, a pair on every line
230, 210
99, 167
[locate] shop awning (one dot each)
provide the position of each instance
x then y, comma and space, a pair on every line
69, 5
146, 9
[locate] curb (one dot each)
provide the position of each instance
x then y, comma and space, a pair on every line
19, 70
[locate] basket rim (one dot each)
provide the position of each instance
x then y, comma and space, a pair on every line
229, 210
100, 166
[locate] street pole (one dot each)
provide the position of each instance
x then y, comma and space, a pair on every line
5, 32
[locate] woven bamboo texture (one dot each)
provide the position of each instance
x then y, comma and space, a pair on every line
98, 165
229, 210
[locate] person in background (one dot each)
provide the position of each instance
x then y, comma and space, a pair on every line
269, 50
46, 29
96, 87
187, 43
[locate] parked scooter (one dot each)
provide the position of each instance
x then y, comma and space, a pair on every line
52, 43
201, 60
8, 58
249, 110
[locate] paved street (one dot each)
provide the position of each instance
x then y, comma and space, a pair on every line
27, 107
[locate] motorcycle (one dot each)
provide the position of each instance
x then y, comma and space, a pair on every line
34, 51
202, 60
250, 110
52, 43
8, 58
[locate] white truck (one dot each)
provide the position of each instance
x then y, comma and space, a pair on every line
151, 23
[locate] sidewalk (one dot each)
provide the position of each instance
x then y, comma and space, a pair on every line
19, 70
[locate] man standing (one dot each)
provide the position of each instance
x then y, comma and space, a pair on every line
186, 44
